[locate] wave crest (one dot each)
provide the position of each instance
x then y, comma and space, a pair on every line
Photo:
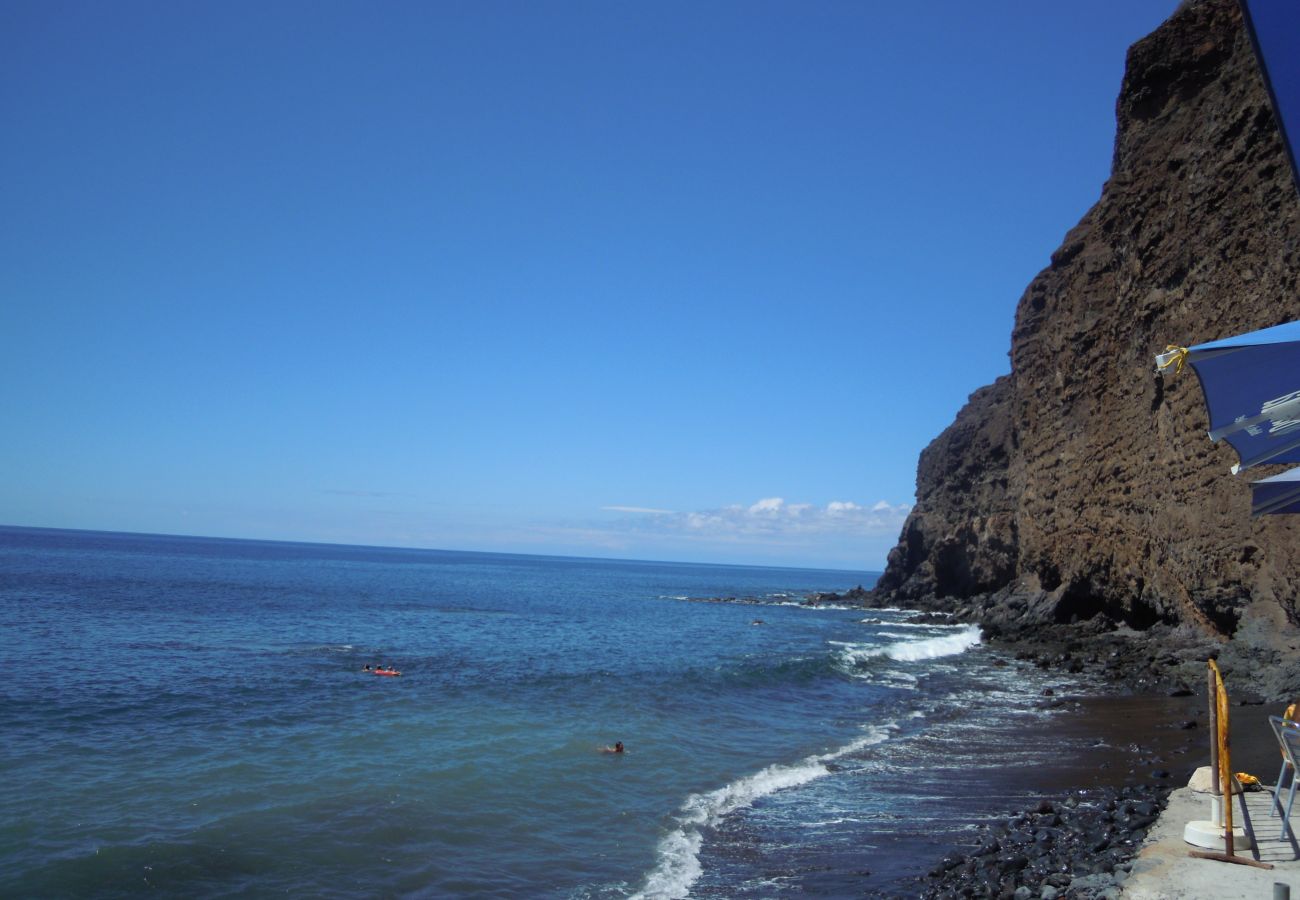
913, 651
679, 850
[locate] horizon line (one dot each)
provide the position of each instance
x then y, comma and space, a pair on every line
614, 559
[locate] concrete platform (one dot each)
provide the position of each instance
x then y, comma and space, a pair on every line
1162, 869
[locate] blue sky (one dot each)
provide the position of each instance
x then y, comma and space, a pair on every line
691, 281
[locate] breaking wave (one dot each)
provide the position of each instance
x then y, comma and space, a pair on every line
679, 851
913, 651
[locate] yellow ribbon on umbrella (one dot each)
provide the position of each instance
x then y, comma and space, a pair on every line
1175, 356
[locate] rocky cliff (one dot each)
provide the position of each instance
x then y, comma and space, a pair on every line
1081, 491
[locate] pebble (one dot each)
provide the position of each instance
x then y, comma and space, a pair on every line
1085, 853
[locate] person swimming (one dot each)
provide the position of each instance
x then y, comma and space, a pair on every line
617, 748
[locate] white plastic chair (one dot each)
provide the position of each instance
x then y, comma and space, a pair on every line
1288, 738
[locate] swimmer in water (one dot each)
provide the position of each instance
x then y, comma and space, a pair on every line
617, 748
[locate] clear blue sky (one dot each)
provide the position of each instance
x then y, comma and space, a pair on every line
671, 280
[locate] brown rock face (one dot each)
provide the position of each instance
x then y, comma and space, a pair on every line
1083, 487
961, 538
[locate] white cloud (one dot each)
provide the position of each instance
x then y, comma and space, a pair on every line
840, 534
771, 518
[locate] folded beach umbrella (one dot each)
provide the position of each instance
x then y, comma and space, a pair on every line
1274, 27
1279, 494
1251, 384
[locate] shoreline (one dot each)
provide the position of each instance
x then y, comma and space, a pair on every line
1132, 731
1063, 790
1108, 840
1143, 694
1094, 809
1093, 842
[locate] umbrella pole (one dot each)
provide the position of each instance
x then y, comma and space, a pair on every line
1225, 761
1221, 770
1212, 695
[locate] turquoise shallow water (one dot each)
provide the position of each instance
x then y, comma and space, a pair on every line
189, 716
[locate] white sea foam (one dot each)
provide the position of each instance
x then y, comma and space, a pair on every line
894, 623
913, 651
779, 599
839, 821
804, 605
679, 851
906, 678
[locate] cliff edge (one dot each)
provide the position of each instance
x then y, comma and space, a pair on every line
1079, 495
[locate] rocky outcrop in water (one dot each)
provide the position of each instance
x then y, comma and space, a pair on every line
1080, 492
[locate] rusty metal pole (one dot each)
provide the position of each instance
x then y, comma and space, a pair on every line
1225, 763
1212, 694
1223, 773
1221, 765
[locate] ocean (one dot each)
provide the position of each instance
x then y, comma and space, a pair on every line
191, 717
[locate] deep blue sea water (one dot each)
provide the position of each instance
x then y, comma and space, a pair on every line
189, 716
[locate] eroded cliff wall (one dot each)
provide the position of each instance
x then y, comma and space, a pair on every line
1082, 487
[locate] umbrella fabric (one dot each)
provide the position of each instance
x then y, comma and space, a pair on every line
1279, 494
1274, 27
1251, 384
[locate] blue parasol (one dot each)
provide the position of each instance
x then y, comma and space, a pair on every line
1251, 384
1279, 494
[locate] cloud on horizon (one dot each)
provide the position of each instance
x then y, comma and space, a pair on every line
771, 518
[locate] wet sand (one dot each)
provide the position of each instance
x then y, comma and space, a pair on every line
1122, 754
1154, 725
1089, 749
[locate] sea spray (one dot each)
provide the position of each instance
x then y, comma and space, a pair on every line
678, 853
967, 636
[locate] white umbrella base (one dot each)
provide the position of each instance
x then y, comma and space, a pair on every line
1209, 835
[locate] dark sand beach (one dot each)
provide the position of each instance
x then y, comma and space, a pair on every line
1096, 808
